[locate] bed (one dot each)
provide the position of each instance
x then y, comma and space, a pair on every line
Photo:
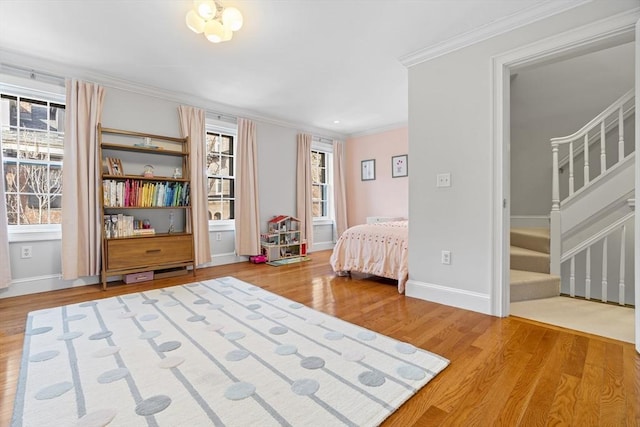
380, 249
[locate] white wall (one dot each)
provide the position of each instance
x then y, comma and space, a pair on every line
450, 130
130, 110
554, 100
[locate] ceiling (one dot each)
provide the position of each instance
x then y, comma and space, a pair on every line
305, 62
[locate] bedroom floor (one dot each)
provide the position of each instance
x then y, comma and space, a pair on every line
605, 320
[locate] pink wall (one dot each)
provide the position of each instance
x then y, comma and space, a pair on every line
384, 196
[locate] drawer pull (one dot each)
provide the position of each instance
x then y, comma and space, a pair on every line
151, 251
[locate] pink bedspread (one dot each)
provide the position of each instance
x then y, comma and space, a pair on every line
380, 249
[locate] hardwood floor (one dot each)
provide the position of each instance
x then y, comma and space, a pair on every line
503, 371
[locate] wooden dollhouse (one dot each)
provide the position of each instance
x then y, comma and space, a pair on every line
283, 239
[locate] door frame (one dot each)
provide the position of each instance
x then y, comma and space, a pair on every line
617, 29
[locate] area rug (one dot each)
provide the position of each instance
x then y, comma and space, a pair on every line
217, 352
287, 261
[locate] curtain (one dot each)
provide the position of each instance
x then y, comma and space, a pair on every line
339, 188
5, 265
81, 218
247, 208
303, 188
192, 124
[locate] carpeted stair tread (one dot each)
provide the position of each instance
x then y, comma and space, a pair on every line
528, 285
536, 239
529, 260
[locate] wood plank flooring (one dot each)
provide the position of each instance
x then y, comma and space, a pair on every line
503, 372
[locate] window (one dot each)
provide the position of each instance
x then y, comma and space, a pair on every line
220, 175
31, 138
320, 183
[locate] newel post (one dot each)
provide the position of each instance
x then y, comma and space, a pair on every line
555, 226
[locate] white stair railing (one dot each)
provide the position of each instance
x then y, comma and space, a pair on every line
575, 147
577, 144
586, 246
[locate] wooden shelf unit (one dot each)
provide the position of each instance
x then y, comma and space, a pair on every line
124, 253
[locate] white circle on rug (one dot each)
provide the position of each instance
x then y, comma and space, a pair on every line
286, 349
234, 336
76, 317
107, 351
113, 375
170, 362
98, 418
371, 378
171, 303
334, 335
366, 335
405, 348
239, 391
315, 321
53, 391
69, 336
236, 355
278, 315
44, 356
127, 315
305, 386
214, 327
149, 335
353, 355
153, 405
312, 362
409, 372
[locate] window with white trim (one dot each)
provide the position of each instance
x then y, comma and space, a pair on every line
31, 141
220, 151
321, 181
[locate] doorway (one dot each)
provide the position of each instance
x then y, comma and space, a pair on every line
590, 38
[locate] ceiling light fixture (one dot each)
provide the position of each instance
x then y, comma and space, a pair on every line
214, 20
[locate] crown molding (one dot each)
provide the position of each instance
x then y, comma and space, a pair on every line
501, 26
12, 60
393, 126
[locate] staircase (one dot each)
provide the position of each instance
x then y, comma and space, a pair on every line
530, 278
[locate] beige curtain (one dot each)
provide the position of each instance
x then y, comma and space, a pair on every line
339, 188
5, 264
81, 218
303, 188
247, 208
192, 124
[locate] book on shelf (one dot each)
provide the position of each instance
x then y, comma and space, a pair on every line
144, 194
120, 225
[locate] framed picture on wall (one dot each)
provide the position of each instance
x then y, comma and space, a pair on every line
400, 166
368, 170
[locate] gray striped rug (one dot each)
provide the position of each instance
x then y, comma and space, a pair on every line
218, 352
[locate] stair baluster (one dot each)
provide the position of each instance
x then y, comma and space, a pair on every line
620, 134
572, 277
587, 280
622, 264
604, 269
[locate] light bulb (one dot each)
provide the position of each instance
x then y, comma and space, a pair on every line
232, 18
194, 22
207, 9
213, 31
227, 33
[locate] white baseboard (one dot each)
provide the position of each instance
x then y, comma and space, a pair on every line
453, 297
38, 284
224, 259
541, 221
322, 246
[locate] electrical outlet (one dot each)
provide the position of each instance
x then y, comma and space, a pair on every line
218, 236
446, 257
25, 251
443, 180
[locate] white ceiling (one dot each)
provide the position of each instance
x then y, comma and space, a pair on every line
305, 62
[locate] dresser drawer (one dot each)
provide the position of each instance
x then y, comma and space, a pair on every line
150, 251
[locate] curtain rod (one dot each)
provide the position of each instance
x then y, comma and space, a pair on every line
32, 74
